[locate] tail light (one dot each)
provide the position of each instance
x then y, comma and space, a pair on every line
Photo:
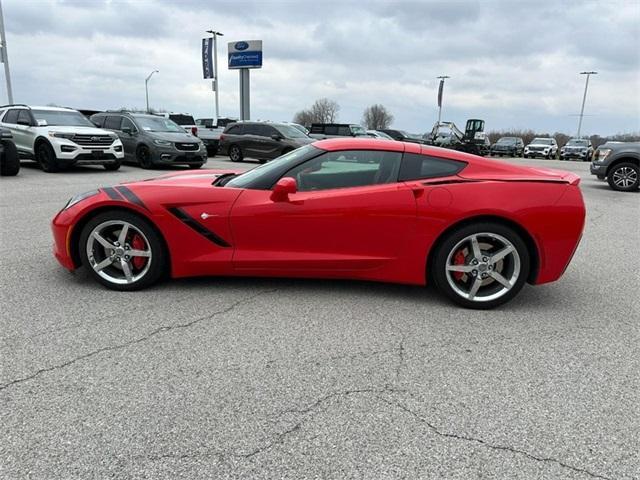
194, 131
221, 137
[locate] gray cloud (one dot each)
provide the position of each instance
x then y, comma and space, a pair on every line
513, 63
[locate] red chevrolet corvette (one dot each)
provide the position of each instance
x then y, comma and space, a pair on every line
343, 208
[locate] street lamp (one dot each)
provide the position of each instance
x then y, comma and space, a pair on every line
584, 98
215, 35
146, 87
440, 89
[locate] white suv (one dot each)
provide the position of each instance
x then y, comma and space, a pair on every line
541, 147
58, 138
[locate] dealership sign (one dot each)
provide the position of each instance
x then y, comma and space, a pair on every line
207, 62
245, 54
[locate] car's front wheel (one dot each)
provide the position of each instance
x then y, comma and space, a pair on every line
481, 265
46, 157
624, 177
122, 251
143, 155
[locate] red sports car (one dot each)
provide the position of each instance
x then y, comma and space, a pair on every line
365, 209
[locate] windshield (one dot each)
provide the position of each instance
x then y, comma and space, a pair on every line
542, 141
244, 179
507, 140
62, 118
290, 131
158, 124
578, 143
358, 130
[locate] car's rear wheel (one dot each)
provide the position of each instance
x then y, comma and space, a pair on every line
481, 265
46, 157
624, 177
143, 155
122, 251
235, 153
10, 161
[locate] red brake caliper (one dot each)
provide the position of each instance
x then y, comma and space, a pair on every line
138, 244
458, 259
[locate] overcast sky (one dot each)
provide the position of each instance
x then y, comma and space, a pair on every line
512, 63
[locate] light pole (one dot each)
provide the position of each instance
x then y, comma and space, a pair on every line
584, 98
215, 35
146, 87
440, 90
4, 57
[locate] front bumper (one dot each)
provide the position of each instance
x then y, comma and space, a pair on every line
537, 153
598, 169
580, 155
73, 153
161, 155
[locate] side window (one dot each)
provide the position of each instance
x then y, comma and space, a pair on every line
126, 123
331, 130
11, 116
24, 117
251, 129
266, 131
344, 131
344, 169
112, 123
415, 167
235, 130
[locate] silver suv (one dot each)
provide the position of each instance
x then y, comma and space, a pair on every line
152, 140
58, 138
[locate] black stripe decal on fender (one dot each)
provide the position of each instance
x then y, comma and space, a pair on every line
129, 195
192, 223
112, 193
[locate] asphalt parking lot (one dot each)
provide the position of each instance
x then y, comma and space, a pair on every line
258, 378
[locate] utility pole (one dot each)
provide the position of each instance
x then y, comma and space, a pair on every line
584, 98
4, 56
440, 91
146, 87
215, 36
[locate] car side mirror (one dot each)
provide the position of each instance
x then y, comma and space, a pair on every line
42, 123
277, 137
283, 188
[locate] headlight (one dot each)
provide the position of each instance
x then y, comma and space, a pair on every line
164, 143
600, 155
68, 136
78, 198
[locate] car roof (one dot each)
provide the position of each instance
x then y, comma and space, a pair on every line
52, 109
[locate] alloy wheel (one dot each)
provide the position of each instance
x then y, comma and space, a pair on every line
119, 252
483, 267
625, 177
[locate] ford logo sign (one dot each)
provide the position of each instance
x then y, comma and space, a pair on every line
241, 45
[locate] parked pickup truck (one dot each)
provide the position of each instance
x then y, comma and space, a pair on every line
209, 131
332, 130
619, 163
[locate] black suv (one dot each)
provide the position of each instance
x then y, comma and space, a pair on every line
260, 140
619, 163
510, 146
152, 140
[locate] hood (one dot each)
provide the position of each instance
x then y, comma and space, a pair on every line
80, 130
183, 179
173, 136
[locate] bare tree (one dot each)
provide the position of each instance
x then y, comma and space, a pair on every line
325, 110
561, 138
304, 117
376, 117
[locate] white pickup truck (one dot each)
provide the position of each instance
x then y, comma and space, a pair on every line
209, 131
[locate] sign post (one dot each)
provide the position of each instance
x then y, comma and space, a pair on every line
243, 56
4, 57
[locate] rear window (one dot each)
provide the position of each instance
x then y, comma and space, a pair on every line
415, 167
182, 119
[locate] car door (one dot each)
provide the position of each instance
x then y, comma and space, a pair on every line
23, 131
10, 121
249, 141
129, 140
349, 215
267, 147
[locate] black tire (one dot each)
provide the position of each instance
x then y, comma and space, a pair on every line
445, 248
158, 266
46, 157
143, 155
112, 167
624, 177
10, 161
235, 153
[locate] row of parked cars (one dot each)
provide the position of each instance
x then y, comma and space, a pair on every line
543, 147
